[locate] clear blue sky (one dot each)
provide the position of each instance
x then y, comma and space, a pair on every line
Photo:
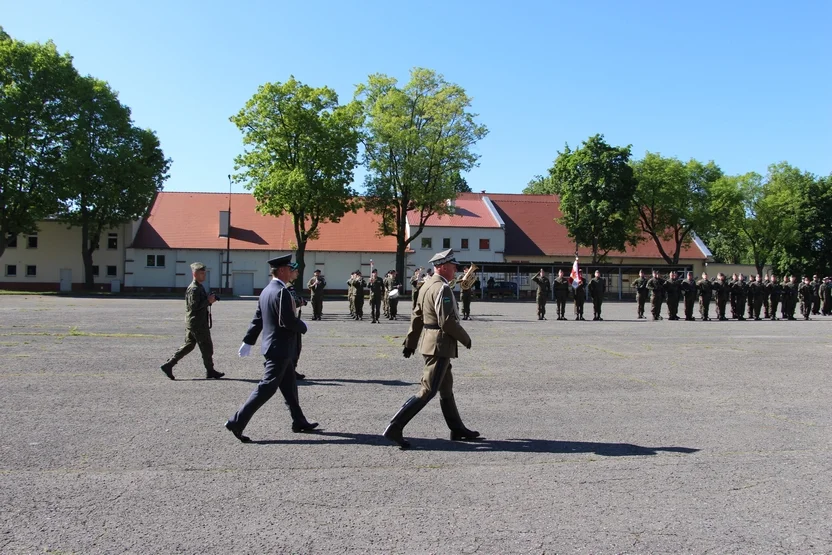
745, 84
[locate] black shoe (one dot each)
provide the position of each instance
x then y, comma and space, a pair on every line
298, 427
540, 317
237, 432
464, 435
543, 318
168, 370
214, 375
299, 376
600, 319
394, 434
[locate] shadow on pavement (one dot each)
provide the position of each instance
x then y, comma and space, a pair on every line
504, 445
338, 382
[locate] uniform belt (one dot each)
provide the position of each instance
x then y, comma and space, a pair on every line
432, 327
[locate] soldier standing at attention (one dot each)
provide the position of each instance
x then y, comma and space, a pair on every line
749, 298
197, 326
358, 284
689, 290
816, 285
561, 294
806, 291
758, 293
766, 293
544, 290
742, 294
580, 296
705, 288
790, 298
656, 287
774, 293
640, 285
672, 289
416, 281
385, 300
734, 287
316, 286
597, 288
351, 295
826, 296
722, 291
376, 286
436, 321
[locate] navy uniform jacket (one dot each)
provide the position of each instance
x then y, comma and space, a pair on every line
276, 317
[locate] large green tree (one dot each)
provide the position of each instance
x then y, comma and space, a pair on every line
34, 84
418, 141
301, 150
672, 201
110, 169
596, 185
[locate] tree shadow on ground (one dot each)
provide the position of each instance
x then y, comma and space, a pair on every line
526, 445
224, 379
339, 382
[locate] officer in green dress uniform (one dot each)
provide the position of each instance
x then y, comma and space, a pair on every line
436, 321
197, 325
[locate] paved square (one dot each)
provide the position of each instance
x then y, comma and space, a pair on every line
603, 437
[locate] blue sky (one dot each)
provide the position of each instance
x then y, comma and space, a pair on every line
745, 84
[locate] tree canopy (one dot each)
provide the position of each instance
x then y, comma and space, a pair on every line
418, 141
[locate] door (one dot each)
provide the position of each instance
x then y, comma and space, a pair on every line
243, 284
66, 280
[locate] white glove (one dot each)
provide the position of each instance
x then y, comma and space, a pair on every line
245, 350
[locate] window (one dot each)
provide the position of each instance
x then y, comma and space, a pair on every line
11, 270
155, 260
95, 271
112, 271
463, 244
485, 244
427, 243
112, 241
32, 242
31, 271
446, 243
12, 242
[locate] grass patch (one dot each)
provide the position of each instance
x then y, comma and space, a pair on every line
75, 332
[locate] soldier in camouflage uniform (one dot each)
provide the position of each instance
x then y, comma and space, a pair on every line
351, 295
316, 286
357, 284
733, 286
816, 286
766, 294
790, 298
689, 289
561, 285
672, 289
742, 296
579, 294
197, 325
376, 286
826, 297
393, 302
757, 293
465, 295
775, 291
749, 297
705, 289
656, 287
597, 288
642, 293
722, 290
544, 290
806, 292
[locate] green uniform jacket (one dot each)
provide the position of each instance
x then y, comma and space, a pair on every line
377, 288
544, 287
436, 320
196, 307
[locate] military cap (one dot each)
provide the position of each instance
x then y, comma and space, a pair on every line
374, 271
294, 265
317, 271
443, 257
196, 266
284, 260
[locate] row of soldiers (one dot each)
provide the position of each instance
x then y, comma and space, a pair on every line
761, 296
384, 295
563, 288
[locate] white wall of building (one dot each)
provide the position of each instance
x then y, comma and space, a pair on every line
59, 248
176, 273
454, 235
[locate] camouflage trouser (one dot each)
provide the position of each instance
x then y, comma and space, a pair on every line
201, 337
806, 308
720, 308
750, 304
561, 302
466, 304
656, 307
673, 307
766, 304
541, 307
375, 308
772, 307
704, 307
579, 308
596, 306
352, 304
385, 304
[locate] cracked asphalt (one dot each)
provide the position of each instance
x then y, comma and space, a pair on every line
622, 436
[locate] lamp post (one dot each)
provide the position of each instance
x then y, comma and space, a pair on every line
228, 238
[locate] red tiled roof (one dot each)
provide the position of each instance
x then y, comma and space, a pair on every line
191, 221
469, 211
532, 231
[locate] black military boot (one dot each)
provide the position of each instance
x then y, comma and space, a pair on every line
458, 430
167, 368
409, 409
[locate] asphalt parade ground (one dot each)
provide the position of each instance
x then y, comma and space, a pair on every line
621, 436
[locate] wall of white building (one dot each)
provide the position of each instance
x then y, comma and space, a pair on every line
453, 236
57, 255
249, 269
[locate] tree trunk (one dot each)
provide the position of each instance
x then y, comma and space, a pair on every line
401, 247
300, 256
86, 256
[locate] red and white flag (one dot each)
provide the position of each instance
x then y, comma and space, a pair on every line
575, 276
